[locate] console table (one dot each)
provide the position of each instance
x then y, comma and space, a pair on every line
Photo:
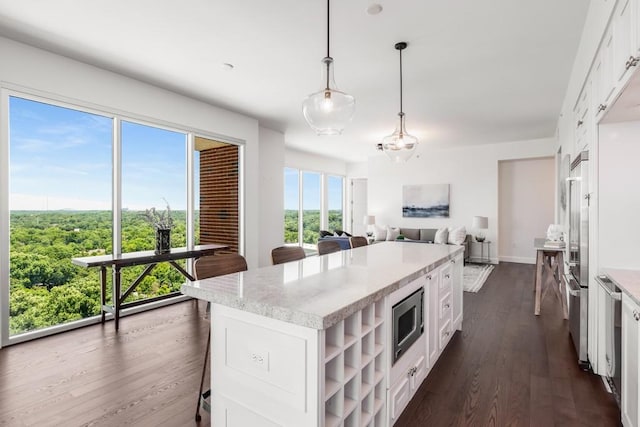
148, 258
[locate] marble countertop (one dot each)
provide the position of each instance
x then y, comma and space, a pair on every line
627, 280
319, 291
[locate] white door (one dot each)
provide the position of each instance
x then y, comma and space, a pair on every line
358, 206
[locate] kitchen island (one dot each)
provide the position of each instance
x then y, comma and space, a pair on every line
309, 342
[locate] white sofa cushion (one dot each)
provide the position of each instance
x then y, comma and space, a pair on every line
442, 236
457, 235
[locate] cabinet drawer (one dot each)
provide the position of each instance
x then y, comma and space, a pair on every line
445, 279
445, 334
444, 310
420, 373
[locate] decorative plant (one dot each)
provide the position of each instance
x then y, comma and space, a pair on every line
159, 220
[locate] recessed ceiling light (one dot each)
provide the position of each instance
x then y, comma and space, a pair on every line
227, 67
374, 9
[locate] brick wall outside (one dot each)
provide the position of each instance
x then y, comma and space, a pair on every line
219, 196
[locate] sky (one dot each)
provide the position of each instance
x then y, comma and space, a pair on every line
62, 159
311, 190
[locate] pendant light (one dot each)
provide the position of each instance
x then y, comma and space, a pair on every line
329, 110
400, 146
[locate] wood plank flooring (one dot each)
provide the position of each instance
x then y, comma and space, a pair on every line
507, 367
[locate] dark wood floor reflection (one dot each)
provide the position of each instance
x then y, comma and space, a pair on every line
506, 368
510, 368
146, 375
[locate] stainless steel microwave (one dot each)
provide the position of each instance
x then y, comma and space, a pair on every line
408, 322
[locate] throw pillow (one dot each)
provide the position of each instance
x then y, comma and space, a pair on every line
442, 236
379, 233
342, 233
457, 235
392, 233
325, 233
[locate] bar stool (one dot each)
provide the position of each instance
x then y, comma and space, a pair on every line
206, 267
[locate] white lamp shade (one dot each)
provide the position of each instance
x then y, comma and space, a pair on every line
369, 220
480, 222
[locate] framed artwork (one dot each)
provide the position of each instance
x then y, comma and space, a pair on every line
425, 201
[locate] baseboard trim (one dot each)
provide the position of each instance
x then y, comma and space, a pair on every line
517, 259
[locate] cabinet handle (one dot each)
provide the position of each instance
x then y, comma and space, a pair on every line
631, 62
446, 306
601, 107
636, 315
412, 371
453, 261
429, 277
580, 123
446, 334
446, 276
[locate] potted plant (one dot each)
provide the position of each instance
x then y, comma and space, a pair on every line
162, 222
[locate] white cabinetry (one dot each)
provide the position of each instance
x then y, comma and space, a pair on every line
354, 369
405, 387
624, 49
456, 295
432, 289
582, 119
605, 83
630, 399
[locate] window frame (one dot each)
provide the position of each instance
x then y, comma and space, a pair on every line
117, 116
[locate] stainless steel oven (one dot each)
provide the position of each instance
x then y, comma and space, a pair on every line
408, 322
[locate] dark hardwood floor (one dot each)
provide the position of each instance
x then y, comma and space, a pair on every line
146, 375
507, 367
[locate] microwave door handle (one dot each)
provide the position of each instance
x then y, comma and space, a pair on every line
617, 296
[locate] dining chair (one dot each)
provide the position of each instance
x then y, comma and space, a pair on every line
357, 241
328, 247
283, 254
207, 267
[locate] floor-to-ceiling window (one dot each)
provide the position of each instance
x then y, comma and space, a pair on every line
291, 205
313, 201
335, 202
59, 207
153, 177
61, 165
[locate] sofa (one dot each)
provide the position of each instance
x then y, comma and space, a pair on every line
340, 236
427, 235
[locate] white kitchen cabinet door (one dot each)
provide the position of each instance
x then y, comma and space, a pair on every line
603, 69
432, 288
456, 292
623, 52
630, 330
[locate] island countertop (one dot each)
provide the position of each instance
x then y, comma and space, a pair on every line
319, 291
627, 280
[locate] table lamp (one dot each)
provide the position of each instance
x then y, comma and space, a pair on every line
368, 221
480, 223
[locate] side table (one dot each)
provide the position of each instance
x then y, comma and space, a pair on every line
482, 259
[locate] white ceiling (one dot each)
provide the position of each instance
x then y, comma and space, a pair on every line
474, 72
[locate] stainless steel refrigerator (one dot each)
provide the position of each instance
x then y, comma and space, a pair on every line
578, 248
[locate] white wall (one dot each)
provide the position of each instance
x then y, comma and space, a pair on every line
43, 73
471, 171
272, 194
314, 162
619, 205
526, 206
357, 169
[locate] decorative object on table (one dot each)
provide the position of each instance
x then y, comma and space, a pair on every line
163, 223
425, 201
368, 221
400, 145
480, 223
329, 110
555, 233
474, 276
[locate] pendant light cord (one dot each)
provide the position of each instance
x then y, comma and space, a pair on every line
401, 82
328, 19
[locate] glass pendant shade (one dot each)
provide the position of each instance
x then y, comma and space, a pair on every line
329, 110
399, 146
